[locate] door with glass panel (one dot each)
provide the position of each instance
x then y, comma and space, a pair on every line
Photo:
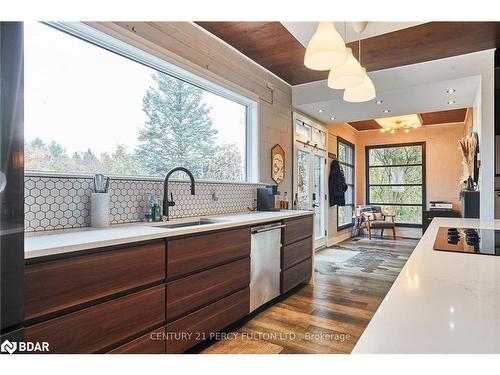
345, 156
309, 181
396, 181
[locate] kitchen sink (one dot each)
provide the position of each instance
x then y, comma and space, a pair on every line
190, 223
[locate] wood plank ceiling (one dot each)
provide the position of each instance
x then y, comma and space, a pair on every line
272, 46
453, 116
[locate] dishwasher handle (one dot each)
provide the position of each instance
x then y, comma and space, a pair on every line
267, 229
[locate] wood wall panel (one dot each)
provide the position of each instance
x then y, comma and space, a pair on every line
444, 117
365, 125
271, 45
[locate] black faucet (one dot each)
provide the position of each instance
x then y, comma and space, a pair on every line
168, 203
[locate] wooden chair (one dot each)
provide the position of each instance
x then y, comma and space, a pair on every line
371, 217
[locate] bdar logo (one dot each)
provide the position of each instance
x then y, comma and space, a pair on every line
8, 347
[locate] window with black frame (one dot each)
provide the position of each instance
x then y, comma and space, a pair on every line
396, 181
345, 156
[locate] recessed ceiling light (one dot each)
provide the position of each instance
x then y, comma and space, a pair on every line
320, 110
450, 91
451, 102
386, 110
379, 102
332, 118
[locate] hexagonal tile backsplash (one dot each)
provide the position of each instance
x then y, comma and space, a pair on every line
54, 202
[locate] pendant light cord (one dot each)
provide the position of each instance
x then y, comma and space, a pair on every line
359, 47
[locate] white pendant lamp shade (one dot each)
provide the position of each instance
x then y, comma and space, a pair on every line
326, 49
361, 93
348, 75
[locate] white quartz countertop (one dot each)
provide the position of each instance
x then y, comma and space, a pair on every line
66, 241
441, 302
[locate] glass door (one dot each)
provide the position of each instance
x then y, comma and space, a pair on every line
310, 188
319, 200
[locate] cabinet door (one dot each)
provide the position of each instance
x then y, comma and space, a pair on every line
192, 292
61, 284
296, 252
298, 229
298, 274
98, 328
186, 332
151, 343
197, 253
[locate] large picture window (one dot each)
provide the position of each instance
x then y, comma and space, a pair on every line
395, 180
94, 107
345, 155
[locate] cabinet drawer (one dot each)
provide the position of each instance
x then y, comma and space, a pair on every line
297, 229
191, 254
296, 275
96, 328
60, 284
192, 292
186, 332
296, 252
151, 343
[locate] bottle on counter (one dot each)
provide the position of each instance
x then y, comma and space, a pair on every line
277, 200
285, 203
147, 210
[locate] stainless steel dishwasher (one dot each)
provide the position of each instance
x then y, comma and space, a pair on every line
265, 265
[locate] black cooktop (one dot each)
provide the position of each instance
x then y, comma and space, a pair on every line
468, 240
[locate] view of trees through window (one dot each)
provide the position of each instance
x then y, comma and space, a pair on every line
89, 110
395, 181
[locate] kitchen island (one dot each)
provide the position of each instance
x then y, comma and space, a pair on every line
441, 302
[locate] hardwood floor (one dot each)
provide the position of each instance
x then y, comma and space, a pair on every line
352, 279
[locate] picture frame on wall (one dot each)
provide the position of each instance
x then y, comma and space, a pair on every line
277, 164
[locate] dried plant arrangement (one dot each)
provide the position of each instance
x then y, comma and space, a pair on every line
467, 147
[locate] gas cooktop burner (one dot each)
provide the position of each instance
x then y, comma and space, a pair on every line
468, 240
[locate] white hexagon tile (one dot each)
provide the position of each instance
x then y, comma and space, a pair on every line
54, 202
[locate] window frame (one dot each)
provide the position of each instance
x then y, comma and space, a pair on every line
185, 73
353, 185
423, 183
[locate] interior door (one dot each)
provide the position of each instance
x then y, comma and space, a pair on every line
310, 189
319, 199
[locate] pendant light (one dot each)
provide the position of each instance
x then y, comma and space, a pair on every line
361, 93
366, 90
348, 75
326, 49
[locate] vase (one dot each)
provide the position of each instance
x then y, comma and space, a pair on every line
470, 184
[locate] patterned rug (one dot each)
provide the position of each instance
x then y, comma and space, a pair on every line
368, 256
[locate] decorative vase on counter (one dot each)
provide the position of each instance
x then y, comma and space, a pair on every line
470, 184
99, 210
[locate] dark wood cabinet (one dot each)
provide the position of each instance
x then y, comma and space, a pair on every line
297, 229
151, 343
298, 274
193, 292
427, 216
186, 332
155, 297
469, 201
296, 252
197, 253
55, 286
98, 328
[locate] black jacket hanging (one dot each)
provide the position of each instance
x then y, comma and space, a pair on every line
336, 184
